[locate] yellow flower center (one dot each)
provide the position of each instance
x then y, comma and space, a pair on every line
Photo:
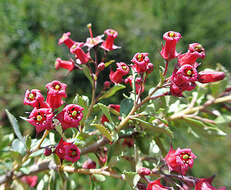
74, 113
198, 48
57, 87
31, 96
124, 67
189, 72
186, 156
172, 34
140, 57
39, 117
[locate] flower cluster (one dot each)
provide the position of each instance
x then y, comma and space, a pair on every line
185, 74
43, 114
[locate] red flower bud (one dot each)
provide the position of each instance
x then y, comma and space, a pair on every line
129, 142
106, 85
144, 171
101, 66
156, 185
30, 180
206, 184
89, 164
150, 68
210, 76
47, 151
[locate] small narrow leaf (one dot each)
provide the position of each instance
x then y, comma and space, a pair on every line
105, 132
126, 106
87, 74
18, 146
28, 142
99, 177
112, 91
155, 128
109, 63
14, 123
105, 110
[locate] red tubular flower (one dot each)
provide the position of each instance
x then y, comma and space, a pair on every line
168, 51
180, 160
41, 119
210, 76
80, 54
206, 184
122, 69
35, 99
113, 106
66, 40
195, 51
67, 151
30, 180
55, 92
138, 83
69, 65
186, 73
70, 116
156, 185
89, 164
108, 44
140, 61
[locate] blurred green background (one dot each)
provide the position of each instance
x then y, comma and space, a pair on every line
29, 31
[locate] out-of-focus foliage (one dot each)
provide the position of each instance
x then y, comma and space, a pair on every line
28, 49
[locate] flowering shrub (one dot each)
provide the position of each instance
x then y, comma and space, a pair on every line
137, 129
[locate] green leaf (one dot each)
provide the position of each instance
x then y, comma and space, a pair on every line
28, 142
125, 107
112, 91
105, 110
59, 129
87, 74
18, 146
154, 128
204, 129
129, 177
99, 177
109, 63
105, 132
14, 123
